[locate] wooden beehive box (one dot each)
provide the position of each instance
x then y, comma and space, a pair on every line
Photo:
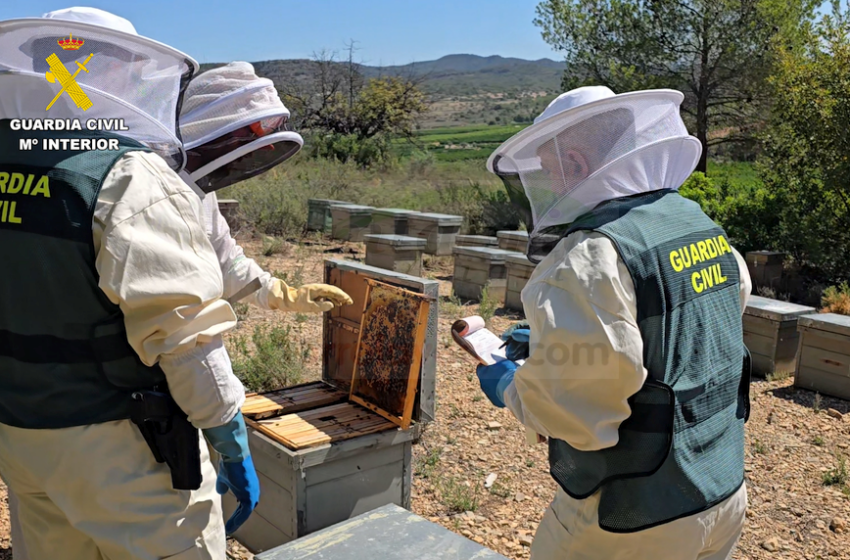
400, 253
350, 221
823, 358
476, 241
439, 230
765, 267
333, 449
770, 333
513, 240
390, 221
519, 270
477, 267
319, 214
230, 211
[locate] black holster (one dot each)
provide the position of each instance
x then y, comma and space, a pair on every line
171, 437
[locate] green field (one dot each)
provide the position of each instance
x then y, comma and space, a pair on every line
458, 143
477, 142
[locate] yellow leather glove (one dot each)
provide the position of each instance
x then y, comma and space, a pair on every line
309, 298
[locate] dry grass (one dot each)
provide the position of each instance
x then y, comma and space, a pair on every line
836, 299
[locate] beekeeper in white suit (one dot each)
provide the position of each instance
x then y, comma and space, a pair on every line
234, 126
112, 302
635, 368
233, 120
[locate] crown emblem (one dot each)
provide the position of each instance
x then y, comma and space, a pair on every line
70, 44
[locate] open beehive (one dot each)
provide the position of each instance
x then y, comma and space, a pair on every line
374, 372
321, 456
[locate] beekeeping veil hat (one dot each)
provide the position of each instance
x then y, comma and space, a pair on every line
122, 74
591, 145
234, 127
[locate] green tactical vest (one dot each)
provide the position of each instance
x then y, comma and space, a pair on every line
64, 356
682, 449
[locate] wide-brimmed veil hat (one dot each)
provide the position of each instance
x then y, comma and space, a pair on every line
122, 74
235, 123
591, 145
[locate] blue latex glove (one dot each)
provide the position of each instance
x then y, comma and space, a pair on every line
494, 379
517, 341
236, 470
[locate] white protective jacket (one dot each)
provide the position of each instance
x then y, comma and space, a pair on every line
156, 262
237, 269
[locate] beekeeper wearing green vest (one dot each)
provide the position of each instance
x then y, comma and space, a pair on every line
112, 364
635, 367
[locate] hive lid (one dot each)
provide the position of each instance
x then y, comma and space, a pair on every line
351, 208
395, 240
519, 259
323, 202
489, 253
480, 238
446, 219
516, 235
829, 322
341, 328
398, 212
775, 310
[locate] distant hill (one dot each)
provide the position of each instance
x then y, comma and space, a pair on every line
463, 88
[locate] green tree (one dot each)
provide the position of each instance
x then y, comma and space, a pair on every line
348, 116
806, 160
717, 52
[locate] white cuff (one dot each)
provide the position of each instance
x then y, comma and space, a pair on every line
203, 385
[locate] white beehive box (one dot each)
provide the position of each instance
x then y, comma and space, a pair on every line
770, 333
390, 221
477, 267
519, 270
513, 240
399, 253
350, 221
319, 214
476, 241
823, 358
440, 231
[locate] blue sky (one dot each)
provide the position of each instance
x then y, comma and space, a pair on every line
387, 31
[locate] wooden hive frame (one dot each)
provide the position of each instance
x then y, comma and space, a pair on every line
377, 328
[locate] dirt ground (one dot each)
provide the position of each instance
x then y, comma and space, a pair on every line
475, 474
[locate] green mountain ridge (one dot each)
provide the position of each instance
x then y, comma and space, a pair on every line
458, 74
463, 89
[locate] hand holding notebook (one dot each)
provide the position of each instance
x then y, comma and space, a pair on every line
478, 341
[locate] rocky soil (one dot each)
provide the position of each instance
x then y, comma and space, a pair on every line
475, 474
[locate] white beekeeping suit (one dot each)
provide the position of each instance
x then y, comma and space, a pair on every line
79, 488
591, 148
234, 127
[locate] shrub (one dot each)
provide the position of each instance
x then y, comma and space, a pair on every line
487, 305
838, 475
273, 246
459, 497
421, 162
277, 359
836, 299
485, 211
702, 190
365, 152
